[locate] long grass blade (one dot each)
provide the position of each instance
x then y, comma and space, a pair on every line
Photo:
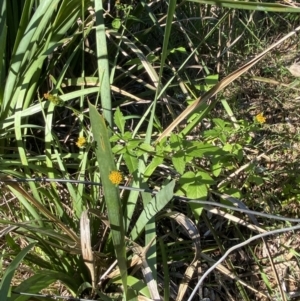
103, 64
9, 273
3, 33
111, 192
161, 199
273, 7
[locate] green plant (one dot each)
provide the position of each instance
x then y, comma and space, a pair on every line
55, 78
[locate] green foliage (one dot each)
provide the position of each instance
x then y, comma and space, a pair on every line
138, 64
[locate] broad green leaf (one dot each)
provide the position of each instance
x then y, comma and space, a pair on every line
187, 178
196, 185
210, 81
132, 295
238, 151
114, 138
196, 191
204, 178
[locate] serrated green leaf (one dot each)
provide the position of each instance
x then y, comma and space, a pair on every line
214, 133
202, 149
196, 185
119, 120
131, 162
220, 123
133, 143
146, 147
180, 192
127, 136
175, 142
118, 149
223, 138
179, 162
238, 151
114, 138
152, 166
216, 167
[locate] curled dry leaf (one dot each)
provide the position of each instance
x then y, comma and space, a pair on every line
86, 248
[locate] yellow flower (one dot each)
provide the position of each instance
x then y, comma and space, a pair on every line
56, 100
260, 118
81, 142
115, 177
